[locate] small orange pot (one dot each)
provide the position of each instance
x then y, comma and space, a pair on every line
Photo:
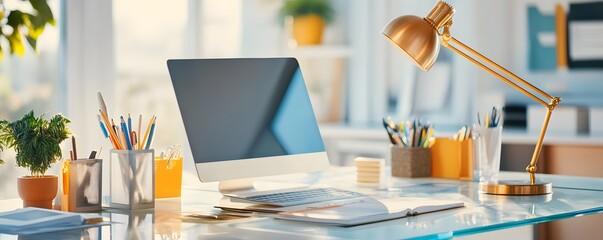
307, 29
37, 191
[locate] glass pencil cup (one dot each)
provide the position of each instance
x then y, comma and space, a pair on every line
487, 153
132, 181
84, 188
168, 177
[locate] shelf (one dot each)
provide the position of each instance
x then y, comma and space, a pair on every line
335, 131
319, 51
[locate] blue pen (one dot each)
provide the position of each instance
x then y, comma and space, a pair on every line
151, 134
102, 126
129, 125
124, 128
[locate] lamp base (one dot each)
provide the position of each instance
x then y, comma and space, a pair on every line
516, 188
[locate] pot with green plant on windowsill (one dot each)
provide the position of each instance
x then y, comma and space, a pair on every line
309, 18
36, 142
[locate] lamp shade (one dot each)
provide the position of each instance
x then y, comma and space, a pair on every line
416, 37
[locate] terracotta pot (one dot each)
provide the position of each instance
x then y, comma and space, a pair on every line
307, 29
37, 191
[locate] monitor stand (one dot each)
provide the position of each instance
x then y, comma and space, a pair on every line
245, 187
236, 185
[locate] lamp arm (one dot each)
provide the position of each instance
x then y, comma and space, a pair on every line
553, 101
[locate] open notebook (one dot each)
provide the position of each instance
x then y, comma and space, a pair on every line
367, 210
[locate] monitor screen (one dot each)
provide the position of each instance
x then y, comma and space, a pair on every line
237, 109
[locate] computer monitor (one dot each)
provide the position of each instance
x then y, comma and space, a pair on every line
246, 118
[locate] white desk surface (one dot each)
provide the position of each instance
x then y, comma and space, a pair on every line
572, 197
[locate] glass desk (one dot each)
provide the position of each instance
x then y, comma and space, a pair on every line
572, 197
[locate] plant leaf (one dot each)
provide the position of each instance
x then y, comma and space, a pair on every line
16, 43
44, 12
35, 25
32, 42
1, 58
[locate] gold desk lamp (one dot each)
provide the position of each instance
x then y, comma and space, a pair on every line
419, 39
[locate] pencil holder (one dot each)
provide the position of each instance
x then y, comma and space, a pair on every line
168, 177
452, 158
410, 162
132, 181
487, 153
84, 185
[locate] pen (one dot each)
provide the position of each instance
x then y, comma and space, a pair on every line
134, 140
493, 116
479, 121
101, 103
146, 134
389, 134
139, 131
123, 138
151, 133
126, 133
129, 125
102, 126
112, 135
461, 133
73, 145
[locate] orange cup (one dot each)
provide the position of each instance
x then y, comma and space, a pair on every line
168, 177
452, 159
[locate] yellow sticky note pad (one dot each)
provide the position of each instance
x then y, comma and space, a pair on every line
370, 170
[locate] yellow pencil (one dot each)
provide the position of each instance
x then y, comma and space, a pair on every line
139, 130
146, 134
123, 138
112, 135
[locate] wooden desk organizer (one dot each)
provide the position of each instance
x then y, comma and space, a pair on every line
452, 159
410, 162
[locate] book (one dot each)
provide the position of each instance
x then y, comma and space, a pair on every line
367, 210
36, 220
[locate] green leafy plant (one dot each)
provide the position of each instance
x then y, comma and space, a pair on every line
35, 140
297, 8
16, 24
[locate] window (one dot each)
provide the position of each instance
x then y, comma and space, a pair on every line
30, 82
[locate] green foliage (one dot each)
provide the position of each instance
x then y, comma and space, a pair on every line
35, 140
296, 8
16, 24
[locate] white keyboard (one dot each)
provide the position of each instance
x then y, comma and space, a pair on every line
299, 197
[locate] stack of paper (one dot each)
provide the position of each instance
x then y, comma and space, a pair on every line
37, 220
370, 170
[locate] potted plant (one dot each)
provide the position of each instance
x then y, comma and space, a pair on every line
36, 142
309, 18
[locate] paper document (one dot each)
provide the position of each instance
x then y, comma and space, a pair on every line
368, 210
37, 220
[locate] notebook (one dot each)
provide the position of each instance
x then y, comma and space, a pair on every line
37, 220
367, 210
